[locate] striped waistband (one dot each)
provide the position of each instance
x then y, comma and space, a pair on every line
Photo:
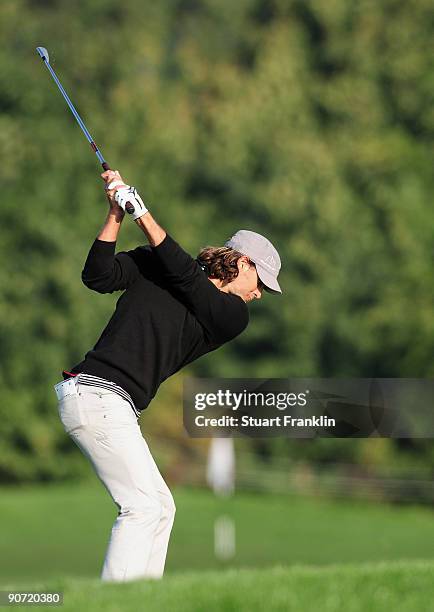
96, 381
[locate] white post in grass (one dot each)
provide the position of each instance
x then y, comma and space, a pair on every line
224, 537
221, 478
221, 466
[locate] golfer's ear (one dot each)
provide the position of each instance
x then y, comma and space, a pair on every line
242, 262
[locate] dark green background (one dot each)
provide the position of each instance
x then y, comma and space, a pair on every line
311, 122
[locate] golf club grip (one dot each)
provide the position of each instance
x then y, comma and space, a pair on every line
105, 166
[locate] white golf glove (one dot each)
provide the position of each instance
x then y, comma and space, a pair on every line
129, 200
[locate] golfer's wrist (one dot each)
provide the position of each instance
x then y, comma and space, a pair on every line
150, 227
110, 230
115, 216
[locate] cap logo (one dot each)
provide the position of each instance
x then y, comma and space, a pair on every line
269, 262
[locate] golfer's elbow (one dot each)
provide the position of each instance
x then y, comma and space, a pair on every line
100, 285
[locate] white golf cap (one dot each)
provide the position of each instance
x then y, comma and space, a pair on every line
262, 253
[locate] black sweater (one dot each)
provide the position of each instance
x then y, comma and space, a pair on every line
169, 315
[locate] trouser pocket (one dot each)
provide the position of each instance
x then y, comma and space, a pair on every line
71, 413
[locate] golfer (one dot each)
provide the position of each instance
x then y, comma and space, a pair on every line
173, 309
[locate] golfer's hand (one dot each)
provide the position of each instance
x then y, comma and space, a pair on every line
113, 179
130, 201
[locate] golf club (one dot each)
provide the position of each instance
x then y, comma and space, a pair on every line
43, 53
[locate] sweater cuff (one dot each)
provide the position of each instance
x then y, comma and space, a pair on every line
103, 247
166, 245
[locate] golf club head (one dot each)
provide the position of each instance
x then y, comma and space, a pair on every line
43, 53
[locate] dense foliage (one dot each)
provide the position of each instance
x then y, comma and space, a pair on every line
310, 121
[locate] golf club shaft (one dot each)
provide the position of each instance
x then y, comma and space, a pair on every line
79, 120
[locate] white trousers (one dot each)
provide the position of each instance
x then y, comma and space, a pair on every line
105, 428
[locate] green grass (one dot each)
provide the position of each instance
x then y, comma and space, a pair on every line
54, 538
398, 586
50, 532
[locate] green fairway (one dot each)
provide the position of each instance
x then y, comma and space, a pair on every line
62, 531
398, 586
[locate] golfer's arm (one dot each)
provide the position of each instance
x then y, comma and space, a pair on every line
150, 227
110, 230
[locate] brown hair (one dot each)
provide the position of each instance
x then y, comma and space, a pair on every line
220, 262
